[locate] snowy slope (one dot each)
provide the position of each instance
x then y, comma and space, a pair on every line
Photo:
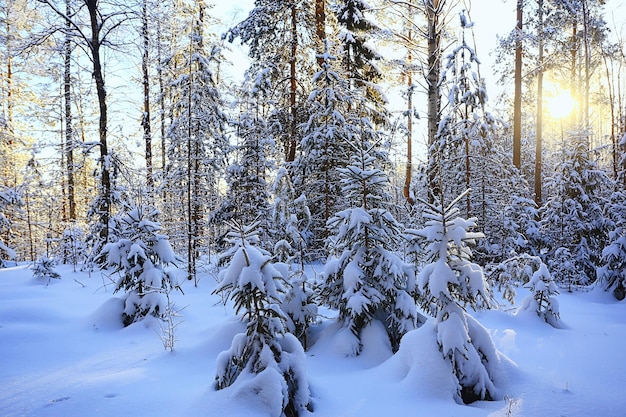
63, 353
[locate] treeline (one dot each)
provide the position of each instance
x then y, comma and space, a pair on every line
205, 150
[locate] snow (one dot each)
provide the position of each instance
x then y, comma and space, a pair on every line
64, 352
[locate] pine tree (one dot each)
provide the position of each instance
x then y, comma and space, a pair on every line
279, 34
267, 352
363, 278
449, 283
140, 256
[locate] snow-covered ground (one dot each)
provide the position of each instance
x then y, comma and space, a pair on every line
63, 353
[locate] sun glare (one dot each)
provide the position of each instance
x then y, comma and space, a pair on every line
561, 105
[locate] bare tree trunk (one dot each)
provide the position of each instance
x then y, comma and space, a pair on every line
145, 120
539, 127
517, 103
433, 13
69, 131
104, 209
291, 145
7, 171
409, 114
573, 51
161, 102
586, 46
320, 28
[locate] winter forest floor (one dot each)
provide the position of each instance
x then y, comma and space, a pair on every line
64, 353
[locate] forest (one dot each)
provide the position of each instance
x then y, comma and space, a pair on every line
339, 157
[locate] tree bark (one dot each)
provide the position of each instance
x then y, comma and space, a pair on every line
104, 209
409, 137
539, 127
320, 28
69, 131
517, 101
291, 145
433, 12
145, 120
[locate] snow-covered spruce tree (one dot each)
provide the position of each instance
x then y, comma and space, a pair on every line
72, 246
266, 357
358, 57
573, 219
247, 197
324, 148
541, 300
449, 283
198, 143
8, 197
291, 219
512, 273
43, 269
363, 278
140, 256
612, 273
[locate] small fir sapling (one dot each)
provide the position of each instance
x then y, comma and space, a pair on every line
364, 279
513, 273
71, 248
449, 283
266, 357
541, 300
43, 269
140, 256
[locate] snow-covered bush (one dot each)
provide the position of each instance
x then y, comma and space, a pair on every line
43, 269
449, 282
140, 257
542, 288
266, 354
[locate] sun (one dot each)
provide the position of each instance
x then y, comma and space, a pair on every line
561, 105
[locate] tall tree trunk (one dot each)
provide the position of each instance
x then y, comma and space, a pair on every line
293, 85
539, 127
320, 28
161, 100
610, 87
7, 171
587, 47
433, 13
145, 120
104, 209
574, 51
517, 100
69, 131
409, 114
